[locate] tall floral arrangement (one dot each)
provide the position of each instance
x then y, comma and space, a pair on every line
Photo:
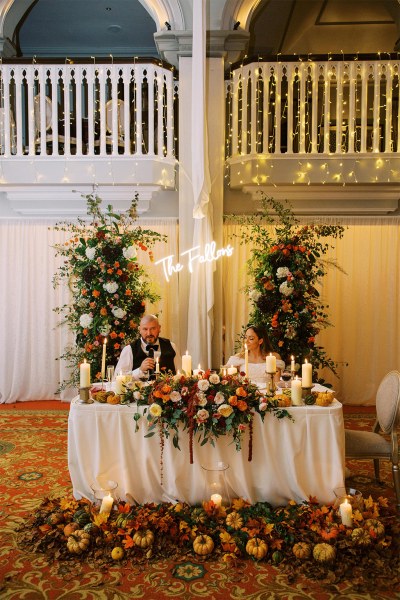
286, 265
109, 286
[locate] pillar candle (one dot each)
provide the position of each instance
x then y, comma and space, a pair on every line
197, 372
306, 374
119, 383
292, 363
270, 363
187, 364
84, 372
217, 499
106, 504
296, 392
346, 513
103, 360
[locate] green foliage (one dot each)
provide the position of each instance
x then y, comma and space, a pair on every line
108, 284
286, 266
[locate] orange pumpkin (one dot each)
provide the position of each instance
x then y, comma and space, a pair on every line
143, 538
203, 544
70, 528
257, 547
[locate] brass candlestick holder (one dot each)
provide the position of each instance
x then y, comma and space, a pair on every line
271, 385
305, 391
84, 395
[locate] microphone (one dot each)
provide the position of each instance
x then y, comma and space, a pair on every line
150, 354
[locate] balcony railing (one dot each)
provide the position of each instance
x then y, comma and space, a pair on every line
84, 110
313, 108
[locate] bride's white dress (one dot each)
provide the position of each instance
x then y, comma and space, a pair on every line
256, 370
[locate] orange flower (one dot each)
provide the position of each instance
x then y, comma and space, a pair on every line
109, 271
116, 264
113, 335
268, 285
165, 397
103, 311
96, 293
242, 405
92, 304
157, 394
121, 335
166, 389
84, 292
116, 346
241, 392
85, 331
132, 324
233, 400
128, 292
119, 272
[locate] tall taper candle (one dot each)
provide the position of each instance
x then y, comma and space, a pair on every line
103, 360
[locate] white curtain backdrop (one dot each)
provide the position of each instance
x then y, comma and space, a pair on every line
364, 303
30, 338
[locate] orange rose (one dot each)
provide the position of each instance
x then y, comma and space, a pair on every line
109, 271
119, 272
241, 392
92, 304
113, 335
116, 264
122, 335
103, 311
166, 389
84, 292
116, 346
96, 293
157, 394
128, 292
233, 400
242, 405
165, 397
85, 331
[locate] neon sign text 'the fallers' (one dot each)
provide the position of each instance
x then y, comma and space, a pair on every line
194, 256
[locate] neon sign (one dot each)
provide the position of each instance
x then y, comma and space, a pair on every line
209, 254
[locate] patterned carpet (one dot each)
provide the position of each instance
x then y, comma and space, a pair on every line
33, 465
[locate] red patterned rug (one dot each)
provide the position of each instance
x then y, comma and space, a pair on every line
33, 466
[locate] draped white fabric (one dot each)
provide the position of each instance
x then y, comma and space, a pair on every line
364, 303
30, 338
201, 296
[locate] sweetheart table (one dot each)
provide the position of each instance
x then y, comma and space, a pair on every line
291, 460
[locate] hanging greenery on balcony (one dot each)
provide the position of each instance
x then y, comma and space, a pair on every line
109, 287
286, 265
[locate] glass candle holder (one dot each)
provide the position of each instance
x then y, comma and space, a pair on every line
103, 487
354, 498
215, 484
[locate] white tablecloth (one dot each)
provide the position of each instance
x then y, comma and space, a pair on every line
291, 460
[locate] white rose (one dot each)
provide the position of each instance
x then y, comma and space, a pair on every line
155, 410
214, 378
90, 253
201, 399
119, 313
203, 385
262, 406
254, 295
110, 287
175, 396
137, 395
282, 272
202, 415
285, 289
219, 398
129, 252
85, 320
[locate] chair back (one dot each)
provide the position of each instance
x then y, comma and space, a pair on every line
388, 401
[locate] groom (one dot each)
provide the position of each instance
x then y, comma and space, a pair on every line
138, 357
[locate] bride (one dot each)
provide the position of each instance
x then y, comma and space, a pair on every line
258, 347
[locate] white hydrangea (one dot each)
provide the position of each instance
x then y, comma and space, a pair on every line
286, 289
119, 313
203, 385
90, 253
129, 252
254, 295
282, 272
110, 287
214, 378
85, 320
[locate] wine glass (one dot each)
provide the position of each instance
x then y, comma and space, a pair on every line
286, 376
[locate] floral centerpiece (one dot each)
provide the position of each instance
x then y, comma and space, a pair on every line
109, 286
286, 265
207, 407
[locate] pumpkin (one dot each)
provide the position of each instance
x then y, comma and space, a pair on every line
277, 557
113, 399
81, 517
203, 544
256, 547
78, 541
309, 399
284, 400
143, 538
55, 518
117, 553
324, 398
324, 553
70, 528
122, 519
234, 520
360, 537
91, 528
101, 397
375, 527
302, 550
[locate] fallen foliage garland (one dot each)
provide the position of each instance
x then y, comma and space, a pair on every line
305, 539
